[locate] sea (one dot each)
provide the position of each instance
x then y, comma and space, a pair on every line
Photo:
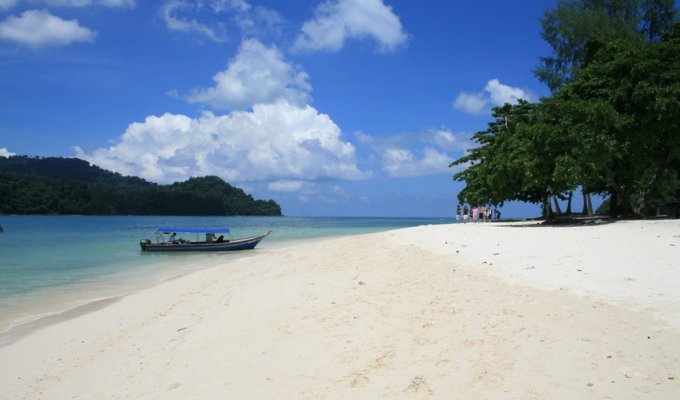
55, 266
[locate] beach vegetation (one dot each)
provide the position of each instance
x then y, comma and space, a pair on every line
610, 129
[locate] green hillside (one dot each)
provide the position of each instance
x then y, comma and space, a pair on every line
55, 185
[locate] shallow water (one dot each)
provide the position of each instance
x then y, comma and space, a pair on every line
51, 264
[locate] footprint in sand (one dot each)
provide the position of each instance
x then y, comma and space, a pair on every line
359, 380
419, 384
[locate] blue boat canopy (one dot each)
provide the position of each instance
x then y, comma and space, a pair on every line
194, 230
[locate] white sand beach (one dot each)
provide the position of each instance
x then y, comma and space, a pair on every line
475, 311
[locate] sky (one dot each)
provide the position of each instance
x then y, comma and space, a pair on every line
331, 107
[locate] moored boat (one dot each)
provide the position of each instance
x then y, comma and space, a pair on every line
210, 243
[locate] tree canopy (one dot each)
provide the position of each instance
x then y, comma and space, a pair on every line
612, 129
573, 24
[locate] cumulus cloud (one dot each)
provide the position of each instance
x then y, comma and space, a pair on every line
471, 103
501, 94
36, 28
335, 21
494, 94
257, 75
273, 142
270, 137
5, 153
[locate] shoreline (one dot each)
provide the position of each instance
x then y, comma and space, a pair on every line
38, 322
408, 313
17, 328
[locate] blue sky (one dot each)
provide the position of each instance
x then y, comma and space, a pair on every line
334, 107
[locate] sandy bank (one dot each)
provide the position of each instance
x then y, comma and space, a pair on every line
475, 311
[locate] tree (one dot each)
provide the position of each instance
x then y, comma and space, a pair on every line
573, 23
624, 106
576, 28
505, 166
658, 17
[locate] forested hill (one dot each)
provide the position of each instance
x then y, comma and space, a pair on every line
57, 185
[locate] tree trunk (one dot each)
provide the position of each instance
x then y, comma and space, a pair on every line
547, 211
613, 204
590, 205
571, 194
585, 202
557, 205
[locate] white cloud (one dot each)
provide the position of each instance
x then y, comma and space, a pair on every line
440, 138
494, 94
119, 3
471, 103
273, 142
37, 28
258, 20
286, 186
84, 3
399, 162
338, 20
6, 4
207, 17
447, 140
5, 153
416, 154
257, 75
501, 94
170, 11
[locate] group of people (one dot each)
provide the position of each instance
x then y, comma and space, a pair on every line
477, 214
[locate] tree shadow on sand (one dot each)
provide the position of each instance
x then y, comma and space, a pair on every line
561, 221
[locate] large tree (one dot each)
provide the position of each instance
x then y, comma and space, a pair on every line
506, 165
612, 130
622, 110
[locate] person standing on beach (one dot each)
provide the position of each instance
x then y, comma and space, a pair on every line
475, 214
465, 214
498, 214
458, 213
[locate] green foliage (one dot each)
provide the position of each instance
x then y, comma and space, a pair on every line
612, 130
72, 186
626, 100
499, 170
573, 24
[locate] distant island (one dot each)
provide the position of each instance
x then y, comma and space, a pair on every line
65, 186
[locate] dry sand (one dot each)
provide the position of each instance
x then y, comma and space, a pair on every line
485, 311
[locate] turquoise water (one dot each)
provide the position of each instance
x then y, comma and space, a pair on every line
49, 264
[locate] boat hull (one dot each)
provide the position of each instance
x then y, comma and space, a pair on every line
234, 245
